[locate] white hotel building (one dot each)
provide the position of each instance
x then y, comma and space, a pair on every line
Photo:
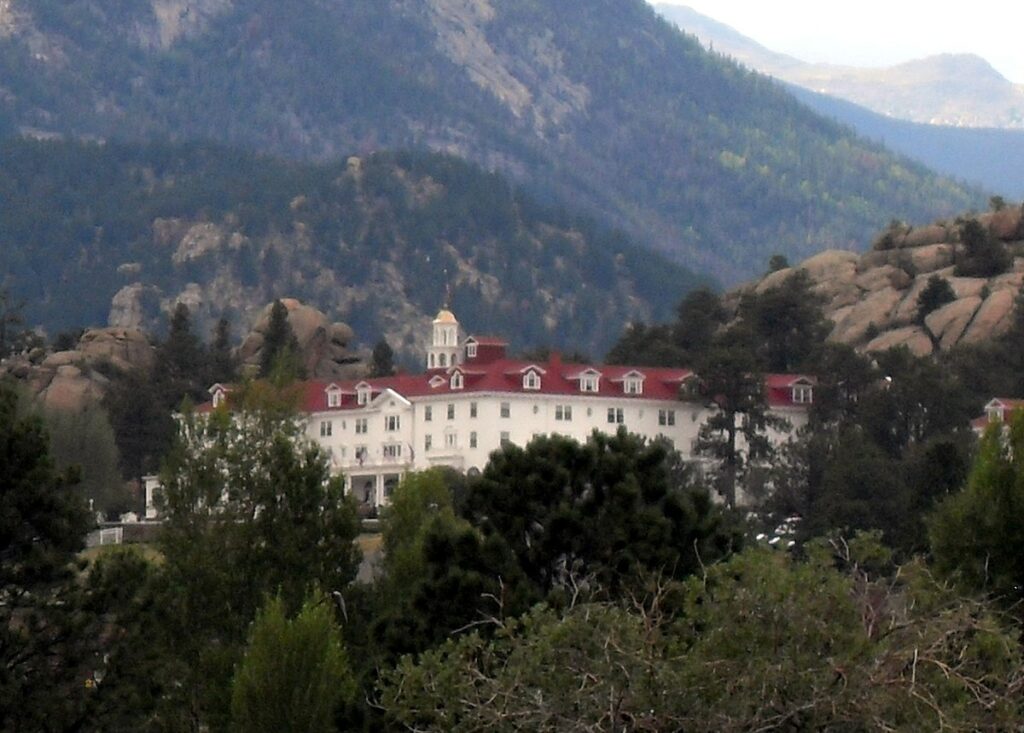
472, 399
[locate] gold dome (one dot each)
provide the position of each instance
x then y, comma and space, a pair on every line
445, 316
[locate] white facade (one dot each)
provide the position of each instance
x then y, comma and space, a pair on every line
466, 406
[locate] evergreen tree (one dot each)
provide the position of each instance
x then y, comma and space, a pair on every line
606, 510
279, 356
42, 528
222, 365
736, 433
383, 360
294, 674
977, 536
936, 294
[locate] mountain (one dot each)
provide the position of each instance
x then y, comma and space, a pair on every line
598, 105
986, 157
120, 233
961, 90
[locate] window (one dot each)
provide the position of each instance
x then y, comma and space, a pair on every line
471, 350
326, 428
451, 440
428, 442
361, 425
472, 409
392, 450
363, 394
442, 360
362, 454
666, 417
505, 409
588, 383
563, 412
456, 382
472, 439
633, 385
451, 410
218, 398
391, 423
531, 380
615, 416
430, 360
802, 394
334, 399
505, 440
428, 413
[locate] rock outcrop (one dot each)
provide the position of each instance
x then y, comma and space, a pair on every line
324, 346
73, 379
872, 299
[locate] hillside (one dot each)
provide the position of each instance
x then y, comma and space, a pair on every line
875, 300
113, 233
601, 105
959, 90
988, 157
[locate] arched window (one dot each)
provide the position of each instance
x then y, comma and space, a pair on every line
442, 360
430, 358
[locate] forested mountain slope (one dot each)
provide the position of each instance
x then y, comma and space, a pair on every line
599, 104
90, 232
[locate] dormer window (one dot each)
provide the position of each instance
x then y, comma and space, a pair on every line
803, 394
531, 380
633, 383
218, 398
471, 350
363, 394
333, 397
589, 381
456, 380
995, 413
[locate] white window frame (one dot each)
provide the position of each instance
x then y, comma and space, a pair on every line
326, 428
428, 413
471, 350
334, 398
392, 423
457, 380
472, 439
531, 380
803, 394
472, 409
392, 450
563, 413
590, 382
428, 442
633, 385
505, 410
362, 425
616, 416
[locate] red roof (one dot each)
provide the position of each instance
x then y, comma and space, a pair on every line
1007, 404
506, 376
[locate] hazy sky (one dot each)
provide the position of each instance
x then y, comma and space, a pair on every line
878, 32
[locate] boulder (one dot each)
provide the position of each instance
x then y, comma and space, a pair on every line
70, 389
773, 280
1004, 224
125, 345
949, 322
931, 258
831, 264
913, 337
1009, 281
323, 346
966, 287
875, 309
200, 240
993, 318
883, 277
924, 236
